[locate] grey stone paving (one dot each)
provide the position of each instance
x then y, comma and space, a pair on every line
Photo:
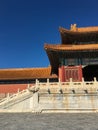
30, 121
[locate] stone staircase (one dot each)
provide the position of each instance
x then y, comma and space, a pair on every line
54, 97
17, 98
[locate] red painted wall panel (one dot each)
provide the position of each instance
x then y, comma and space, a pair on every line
12, 88
67, 72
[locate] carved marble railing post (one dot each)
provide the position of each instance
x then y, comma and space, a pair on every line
95, 82
48, 83
28, 86
71, 83
48, 86
37, 82
60, 86
83, 82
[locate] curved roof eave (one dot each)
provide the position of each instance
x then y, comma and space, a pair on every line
70, 36
59, 47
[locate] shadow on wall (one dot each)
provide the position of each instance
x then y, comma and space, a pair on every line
89, 72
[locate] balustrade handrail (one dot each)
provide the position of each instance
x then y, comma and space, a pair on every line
14, 95
69, 84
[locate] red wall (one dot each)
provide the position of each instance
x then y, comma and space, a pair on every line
12, 88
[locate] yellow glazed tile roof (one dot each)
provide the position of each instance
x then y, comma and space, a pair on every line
71, 47
25, 73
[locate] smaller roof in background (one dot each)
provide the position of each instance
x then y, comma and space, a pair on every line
26, 73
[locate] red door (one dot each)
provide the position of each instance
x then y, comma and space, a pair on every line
67, 72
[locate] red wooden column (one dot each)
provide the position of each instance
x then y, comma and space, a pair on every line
62, 73
80, 73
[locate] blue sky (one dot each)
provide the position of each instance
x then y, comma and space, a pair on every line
26, 25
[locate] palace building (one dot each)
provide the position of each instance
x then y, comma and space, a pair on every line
75, 57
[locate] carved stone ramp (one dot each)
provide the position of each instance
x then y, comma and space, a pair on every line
19, 102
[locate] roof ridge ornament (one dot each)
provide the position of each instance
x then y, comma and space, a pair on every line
73, 27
